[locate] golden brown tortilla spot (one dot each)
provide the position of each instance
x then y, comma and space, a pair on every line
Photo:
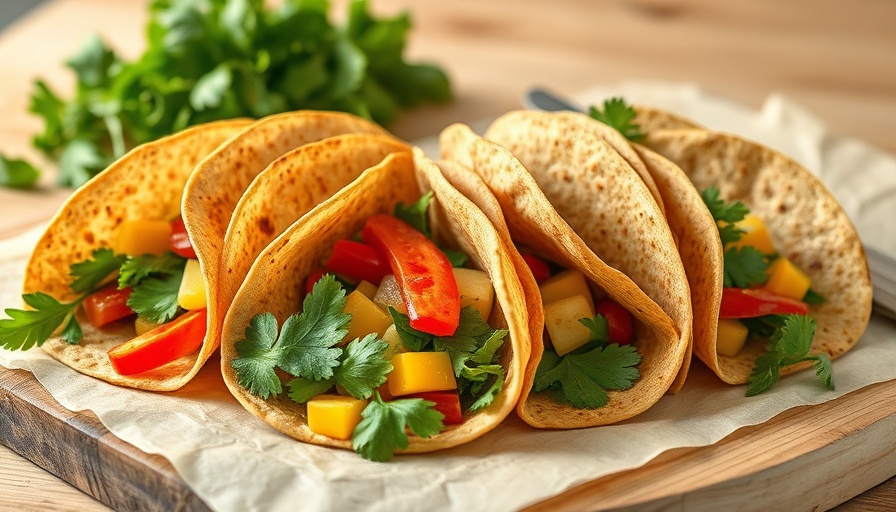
264, 224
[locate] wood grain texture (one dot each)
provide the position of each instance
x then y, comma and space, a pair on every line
838, 60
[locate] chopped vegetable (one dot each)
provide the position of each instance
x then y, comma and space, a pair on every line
446, 402
367, 289
107, 305
358, 261
566, 284
392, 338
162, 345
417, 372
191, 294
789, 345
179, 240
561, 318
540, 269
619, 115
389, 296
334, 416
475, 289
731, 336
423, 273
620, 322
784, 278
750, 303
139, 237
754, 234
142, 325
366, 317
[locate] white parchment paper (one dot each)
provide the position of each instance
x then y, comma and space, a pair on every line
233, 461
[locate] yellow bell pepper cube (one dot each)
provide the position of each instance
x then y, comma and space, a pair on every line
564, 285
417, 372
730, 337
191, 295
561, 318
367, 288
139, 237
144, 325
334, 416
755, 235
366, 317
784, 278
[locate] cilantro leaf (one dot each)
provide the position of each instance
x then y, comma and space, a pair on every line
155, 298
412, 339
383, 424
80, 160
457, 258
301, 389
764, 326
363, 366
415, 214
26, 328
619, 115
582, 379
88, 274
258, 356
813, 297
17, 173
600, 330
725, 214
135, 268
787, 346
744, 267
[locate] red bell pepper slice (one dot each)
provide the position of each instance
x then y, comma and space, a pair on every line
423, 273
107, 305
447, 403
620, 324
160, 346
180, 241
540, 269
356, 260
753, 302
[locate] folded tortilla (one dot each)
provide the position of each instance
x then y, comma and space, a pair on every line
573, 200
146, 183
276, 283
805, 222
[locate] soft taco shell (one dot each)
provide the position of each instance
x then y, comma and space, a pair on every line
533, 221
276, 280
805, 222
147, 183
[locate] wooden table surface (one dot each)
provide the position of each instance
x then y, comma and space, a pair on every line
837, 59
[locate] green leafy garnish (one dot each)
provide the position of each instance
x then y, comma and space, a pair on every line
789, 345
415, 214
217, 59
26, 328
362, 368
600, 329
582, 379
745, 267
813, 297
155, 298
305, 347
725, 213
383, 426
134, 269
619, 115
473, 349
88, 274
17, 173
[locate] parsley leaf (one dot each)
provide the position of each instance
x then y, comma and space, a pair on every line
787, 346
17, 173
25, 328
135, 268
305, 346
744, 267
88, 274
619, 115
582, 379
415, 214
383, 426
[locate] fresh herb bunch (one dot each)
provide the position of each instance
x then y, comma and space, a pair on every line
207, 60
788, 345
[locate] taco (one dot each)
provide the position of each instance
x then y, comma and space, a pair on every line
790, 254
415, 345
130, 208
570, 200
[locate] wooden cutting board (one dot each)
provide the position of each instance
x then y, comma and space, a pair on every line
838, 62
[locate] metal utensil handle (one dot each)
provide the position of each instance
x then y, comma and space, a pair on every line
882, 266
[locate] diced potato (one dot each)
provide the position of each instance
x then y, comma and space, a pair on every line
562, 321
366, 317
475, 290
367, 288
731, 337
138, 237
143, 325
192, 288
388, 294
566, 284
415, 372
784, 278
394, 340
755, 234
334, 416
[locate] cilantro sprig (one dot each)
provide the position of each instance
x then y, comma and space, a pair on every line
473, 349
617, 114
743, 266
218, 59
384, 425
582, 377
789, 345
